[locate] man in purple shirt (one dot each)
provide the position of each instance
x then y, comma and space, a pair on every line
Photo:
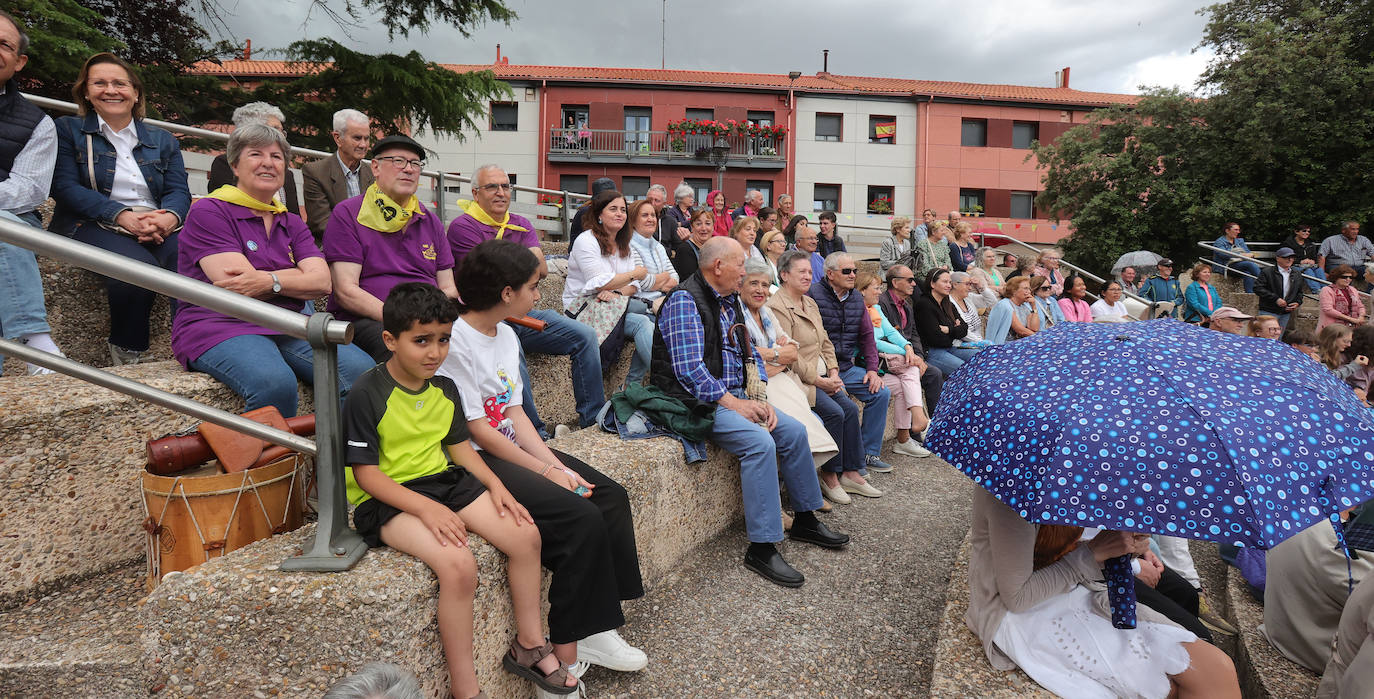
488, 217
366, 263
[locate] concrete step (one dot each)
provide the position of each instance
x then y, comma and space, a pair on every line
82, 641
1265, 673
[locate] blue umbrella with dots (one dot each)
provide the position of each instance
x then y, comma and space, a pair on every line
1158, 427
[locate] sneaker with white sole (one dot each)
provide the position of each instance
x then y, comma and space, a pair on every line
610, 651
911, 448
561, 431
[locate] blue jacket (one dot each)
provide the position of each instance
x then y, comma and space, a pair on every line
1224, 244
1197, 302
1161, 290
847, 324
159, 159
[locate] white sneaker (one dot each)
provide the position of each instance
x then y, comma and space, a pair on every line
610, 651
561, 431
911, 448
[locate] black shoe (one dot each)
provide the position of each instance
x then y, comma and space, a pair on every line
815, 532
771, 566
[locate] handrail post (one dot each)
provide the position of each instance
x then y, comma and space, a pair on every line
439, 198
336, 547
566, 214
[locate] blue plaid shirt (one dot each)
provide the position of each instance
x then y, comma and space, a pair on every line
680, 323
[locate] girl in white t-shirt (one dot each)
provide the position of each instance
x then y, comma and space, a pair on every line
583, 516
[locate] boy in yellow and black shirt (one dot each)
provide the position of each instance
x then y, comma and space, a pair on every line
403, 425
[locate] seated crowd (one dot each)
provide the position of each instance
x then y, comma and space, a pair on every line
750, 317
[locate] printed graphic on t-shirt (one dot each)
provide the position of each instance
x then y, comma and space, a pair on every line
495, 406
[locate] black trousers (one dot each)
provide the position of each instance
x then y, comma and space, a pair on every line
1175, 598
588, 545
367, 335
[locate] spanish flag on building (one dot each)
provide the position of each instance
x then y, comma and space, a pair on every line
886, 129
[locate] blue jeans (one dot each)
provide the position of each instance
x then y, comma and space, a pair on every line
762, 455
1312, 271
264, 368
130, 305
949, 359
1242, 266
640, 328
875, 408
564, 336
841, 419
22, 311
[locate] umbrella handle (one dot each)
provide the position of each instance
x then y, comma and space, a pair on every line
1120, 591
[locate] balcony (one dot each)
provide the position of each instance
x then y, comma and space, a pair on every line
623, 146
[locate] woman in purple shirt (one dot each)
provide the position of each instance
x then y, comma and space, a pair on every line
240, 238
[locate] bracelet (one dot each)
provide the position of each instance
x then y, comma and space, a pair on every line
545, 472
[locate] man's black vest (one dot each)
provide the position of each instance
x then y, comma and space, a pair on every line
18, 118
661, 372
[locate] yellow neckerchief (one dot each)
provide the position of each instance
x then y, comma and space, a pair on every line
380, 213
234, 195
475, 210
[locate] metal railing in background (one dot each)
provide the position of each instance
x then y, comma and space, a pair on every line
336, 546
440, 180
1227, 269
631, 143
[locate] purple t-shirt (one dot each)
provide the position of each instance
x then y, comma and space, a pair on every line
214, 226
415, 254
466, 232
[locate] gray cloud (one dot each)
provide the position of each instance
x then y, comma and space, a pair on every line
1110, 47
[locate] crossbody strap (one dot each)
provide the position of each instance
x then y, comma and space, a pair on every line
90, 162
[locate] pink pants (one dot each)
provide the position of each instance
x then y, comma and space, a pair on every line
905, 386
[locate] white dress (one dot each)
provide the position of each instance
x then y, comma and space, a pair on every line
1067, 647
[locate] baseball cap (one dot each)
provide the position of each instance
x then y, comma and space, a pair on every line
1229, 312
1164, 262
1285, 252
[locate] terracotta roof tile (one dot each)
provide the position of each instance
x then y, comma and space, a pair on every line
655, 76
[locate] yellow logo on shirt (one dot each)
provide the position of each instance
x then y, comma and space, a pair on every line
428, 251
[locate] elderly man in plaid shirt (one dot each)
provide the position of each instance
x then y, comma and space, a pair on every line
700, 346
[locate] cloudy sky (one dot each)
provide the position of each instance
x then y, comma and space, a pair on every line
1111, 46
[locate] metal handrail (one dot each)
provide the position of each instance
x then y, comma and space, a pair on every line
441, 178
336, 547
1259, 262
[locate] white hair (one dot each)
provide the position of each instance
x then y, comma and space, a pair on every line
683, 190
344, 117
484, 168
377, 681
659, 188
832, 261
257, 113
254, 135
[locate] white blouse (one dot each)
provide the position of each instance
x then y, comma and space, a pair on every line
129, 187
589, 270
1101, 308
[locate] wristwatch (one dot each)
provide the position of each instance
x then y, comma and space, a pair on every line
276, 283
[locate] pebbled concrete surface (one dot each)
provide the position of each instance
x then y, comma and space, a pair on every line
864, 625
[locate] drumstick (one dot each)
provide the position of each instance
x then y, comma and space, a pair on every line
531, 323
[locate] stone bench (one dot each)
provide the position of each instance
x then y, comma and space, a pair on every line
1265, 673
961, 666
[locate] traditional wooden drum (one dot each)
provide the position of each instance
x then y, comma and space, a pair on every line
201, 513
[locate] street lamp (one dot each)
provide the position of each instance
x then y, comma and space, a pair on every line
720, 152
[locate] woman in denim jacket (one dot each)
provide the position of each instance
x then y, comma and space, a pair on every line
139, 197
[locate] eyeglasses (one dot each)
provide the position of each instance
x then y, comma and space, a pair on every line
848, 270
402, 163
904, 279
495, 187
116, 84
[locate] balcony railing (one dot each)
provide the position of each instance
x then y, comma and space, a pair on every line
630, 144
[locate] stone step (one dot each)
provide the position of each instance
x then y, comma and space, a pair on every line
82, 641
1265, 673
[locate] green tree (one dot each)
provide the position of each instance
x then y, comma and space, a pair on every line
1283, 136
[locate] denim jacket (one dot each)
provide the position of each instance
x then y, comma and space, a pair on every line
159, 158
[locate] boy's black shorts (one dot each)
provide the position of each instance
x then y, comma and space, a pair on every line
454, 487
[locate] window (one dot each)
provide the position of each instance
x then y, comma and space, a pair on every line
972, 201
763, 186
829, 127
701, 114
634, 188
825, 197
573, 183
574, 116
879, 199
761, 118
504, 116
974, 133
1023, 132
702, 186
882, 129
1023, 204
637, 129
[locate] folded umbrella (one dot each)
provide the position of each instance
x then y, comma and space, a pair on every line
1158, 427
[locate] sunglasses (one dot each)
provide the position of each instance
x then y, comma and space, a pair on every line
848, 270
904, 279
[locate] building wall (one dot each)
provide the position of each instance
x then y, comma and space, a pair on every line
516, 151
853, 162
